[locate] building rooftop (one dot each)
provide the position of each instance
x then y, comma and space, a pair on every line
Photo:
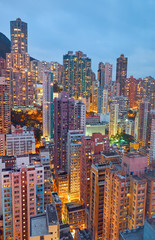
38, 225
151, 221
73, 206
110, 154
136, 177
100, 165
134, 234
150, 175
60, 172
134, 155
84, 234
55, 198
52, 216
65, 233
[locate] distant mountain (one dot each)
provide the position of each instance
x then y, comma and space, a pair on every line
5, 46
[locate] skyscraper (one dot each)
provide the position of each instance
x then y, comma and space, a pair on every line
80, 115
5, 110
47, 104
123, 104
94, 95
21, 80
77, 74
121, 73
131, 91
105, 75
74, 140
137, 201
99, 99
18, 30
85, 166
101, 74
152, 143
105, 102
57, 70
2, 144
143, 125
22, 196
113, 123
91, 148
97, 200
108, 75
64, 108
116, 203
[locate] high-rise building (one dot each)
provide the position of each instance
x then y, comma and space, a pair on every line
18, 144
18, 30
97, 183
77, 74
57, 70
121, 73
99, 99
75, 215
21, 79
85, 166
134, 163
131, 92
105, 75
74, 140
152, 143
58, 204
80, 115
62, 185
143, 125
101, 74
108, 75
123, 103
116, 203
94, 95
150, 199
113, 123
2, 144
105, 102
48, 184
137, 201
47, 105
5, 110
148, 84
45, 226
64, 108
91, 148
2, 64
22, 196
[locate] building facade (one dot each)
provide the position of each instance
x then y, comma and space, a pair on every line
18, 144
47, 105
22, 196
121, 73
64, 108
5, 110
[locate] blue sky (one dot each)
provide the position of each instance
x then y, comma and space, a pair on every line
103, 29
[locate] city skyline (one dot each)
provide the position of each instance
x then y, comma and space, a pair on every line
77, 151
103, 31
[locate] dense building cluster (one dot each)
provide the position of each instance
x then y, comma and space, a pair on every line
91, 173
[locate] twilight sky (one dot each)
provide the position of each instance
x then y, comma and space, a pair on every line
103, 29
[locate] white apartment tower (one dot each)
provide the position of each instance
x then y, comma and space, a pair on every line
47, 104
